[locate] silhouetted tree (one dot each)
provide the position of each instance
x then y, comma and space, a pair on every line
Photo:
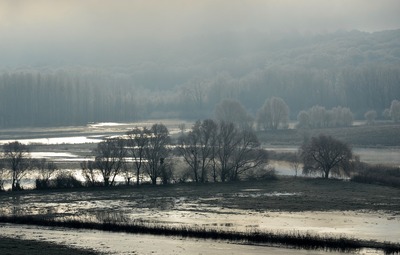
295, 163
110, 159
138, 140
2, 174
237, 151
46, 170
273, 114
17, 159
89, 172
197, 148
156, 151
325, 155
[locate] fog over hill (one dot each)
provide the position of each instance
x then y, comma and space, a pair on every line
73, 62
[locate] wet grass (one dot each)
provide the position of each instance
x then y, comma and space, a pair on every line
288, 239
14, 246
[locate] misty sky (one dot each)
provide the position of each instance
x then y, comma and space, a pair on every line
38, 30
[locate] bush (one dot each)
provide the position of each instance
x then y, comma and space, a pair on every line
62, 181
257, 174
67, 180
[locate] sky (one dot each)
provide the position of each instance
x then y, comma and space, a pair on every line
33, 28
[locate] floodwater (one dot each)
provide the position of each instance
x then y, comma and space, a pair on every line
121, 243
125, 206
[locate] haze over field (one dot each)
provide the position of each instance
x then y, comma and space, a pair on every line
126, 60
46, 32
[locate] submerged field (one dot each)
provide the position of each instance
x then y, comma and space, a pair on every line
288, 204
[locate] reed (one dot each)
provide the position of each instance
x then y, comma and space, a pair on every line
301, 240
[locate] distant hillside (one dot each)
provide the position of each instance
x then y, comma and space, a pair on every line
186, 80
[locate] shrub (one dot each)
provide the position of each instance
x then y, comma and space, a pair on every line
67, 180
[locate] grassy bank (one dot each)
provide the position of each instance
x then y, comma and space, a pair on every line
14, 246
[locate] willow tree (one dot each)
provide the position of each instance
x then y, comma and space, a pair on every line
325, 155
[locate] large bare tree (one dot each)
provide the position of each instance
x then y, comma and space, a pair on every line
238, 150
110, 159
197, 148
17, 159
325, 155
138, 140
156, 151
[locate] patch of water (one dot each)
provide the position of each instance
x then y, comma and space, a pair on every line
121, 243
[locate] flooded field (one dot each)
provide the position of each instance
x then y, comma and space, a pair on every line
286, 205
351, 211
120, 243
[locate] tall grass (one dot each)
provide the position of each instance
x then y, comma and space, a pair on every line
304, 240
378, 174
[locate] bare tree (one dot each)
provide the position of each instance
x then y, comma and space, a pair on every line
295, 163
110, 159
370, 117
17, 159
89, 172
2, 174
138, 140
46, 170
197, 148
324, 154
232, 111
237, 151
273, 114
248, 154
156, 151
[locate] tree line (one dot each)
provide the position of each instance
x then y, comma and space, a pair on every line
211, 151
32, 98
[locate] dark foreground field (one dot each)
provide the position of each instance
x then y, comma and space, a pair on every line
14, 246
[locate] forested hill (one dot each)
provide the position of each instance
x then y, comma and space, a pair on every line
187, 78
